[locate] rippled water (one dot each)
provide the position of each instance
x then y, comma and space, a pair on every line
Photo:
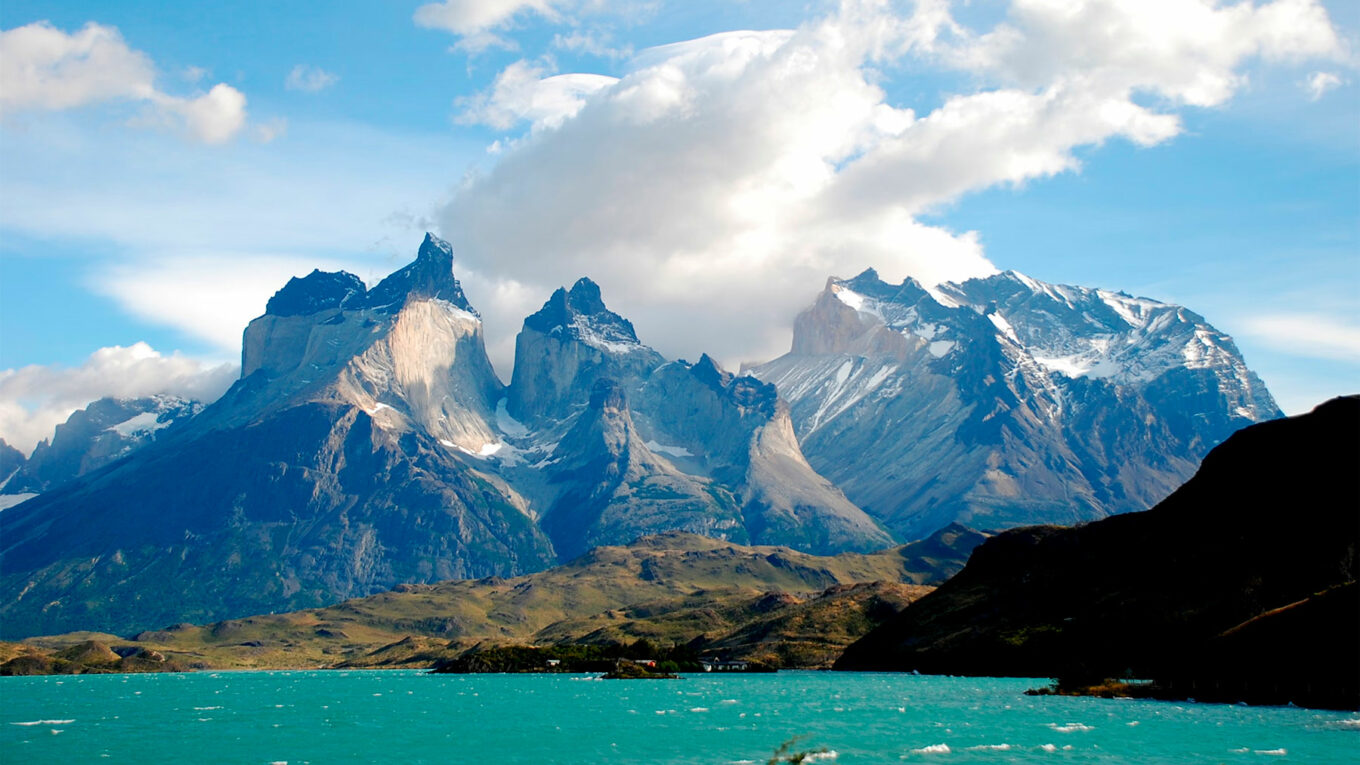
403, 716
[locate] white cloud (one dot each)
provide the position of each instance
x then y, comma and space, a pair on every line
214, 117
44, 68
267, 131
476, 23
332, 191
211, 296
1306, 335
35, 399
718, 182
1318, 83
470, 17
522, 92
199, 241
594, 43
1187, 51
310, 79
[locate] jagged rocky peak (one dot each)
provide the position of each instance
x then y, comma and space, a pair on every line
861, 316
11, 460
107, 429
1012, 401
870, 284
568, 344
580, 314
317, 291
313, 324
430, 276
748, 393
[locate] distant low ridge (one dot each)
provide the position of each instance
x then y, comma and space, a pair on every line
771, 604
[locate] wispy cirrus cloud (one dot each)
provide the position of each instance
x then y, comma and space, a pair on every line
1318, 83
475, 21
480, 25
309, 79
1306, 334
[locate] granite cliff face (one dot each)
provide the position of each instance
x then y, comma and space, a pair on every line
11, 460
615, 487
339, 465
721, 444
1006, 401
565, 347
738, 430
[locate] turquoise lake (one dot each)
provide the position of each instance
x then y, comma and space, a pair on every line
407, 716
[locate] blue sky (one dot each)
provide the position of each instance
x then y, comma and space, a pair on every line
1207, 154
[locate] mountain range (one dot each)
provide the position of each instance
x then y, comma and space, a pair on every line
1006, 401
369, 442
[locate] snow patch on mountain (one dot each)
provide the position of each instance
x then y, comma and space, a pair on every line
941, 348
603, 338
146, 422
507, 424
674, 451
10, 500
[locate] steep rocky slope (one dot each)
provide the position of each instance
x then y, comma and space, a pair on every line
105, 430
712, 451
1241, 580
616, 488
1006, 401
11, 460
370, 442
336, 467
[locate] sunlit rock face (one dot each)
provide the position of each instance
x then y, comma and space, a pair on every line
1007, 401
346, 460
565, 347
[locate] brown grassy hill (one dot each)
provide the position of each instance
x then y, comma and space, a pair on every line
672, 588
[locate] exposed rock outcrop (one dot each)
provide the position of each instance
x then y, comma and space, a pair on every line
1007, 401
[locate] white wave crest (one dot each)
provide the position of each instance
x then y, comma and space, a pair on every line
1070, 727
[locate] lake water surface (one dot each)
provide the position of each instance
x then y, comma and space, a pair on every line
407, 716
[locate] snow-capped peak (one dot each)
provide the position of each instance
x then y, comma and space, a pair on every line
580, 314
1050, 329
